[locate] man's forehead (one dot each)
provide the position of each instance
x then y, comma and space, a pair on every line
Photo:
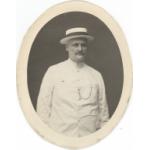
77, 40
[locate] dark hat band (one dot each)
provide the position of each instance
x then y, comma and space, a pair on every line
76, 33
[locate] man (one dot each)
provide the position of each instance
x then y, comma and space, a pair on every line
72, 96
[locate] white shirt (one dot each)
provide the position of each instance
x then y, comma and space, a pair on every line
72, 99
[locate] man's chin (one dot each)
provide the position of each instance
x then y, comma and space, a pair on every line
81, 59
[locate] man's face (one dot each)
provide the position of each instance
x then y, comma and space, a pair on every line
77, 49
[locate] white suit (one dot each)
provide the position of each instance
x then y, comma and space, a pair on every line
72, 100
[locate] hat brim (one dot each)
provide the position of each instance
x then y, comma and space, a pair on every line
66, 39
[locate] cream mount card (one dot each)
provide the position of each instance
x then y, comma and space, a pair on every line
74, 74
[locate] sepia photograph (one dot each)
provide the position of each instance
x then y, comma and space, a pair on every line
72, 74
75, 74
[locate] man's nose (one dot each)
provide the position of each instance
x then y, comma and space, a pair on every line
80, 48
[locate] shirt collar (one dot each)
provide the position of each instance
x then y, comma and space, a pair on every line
74, 64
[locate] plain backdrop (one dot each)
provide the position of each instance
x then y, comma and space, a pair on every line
103, 54
133, 131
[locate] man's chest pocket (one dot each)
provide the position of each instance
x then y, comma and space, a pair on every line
64, 89
88, 92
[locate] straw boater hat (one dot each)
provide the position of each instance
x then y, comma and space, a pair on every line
78, 32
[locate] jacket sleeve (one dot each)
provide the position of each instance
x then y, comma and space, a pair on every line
102, 102
44, 101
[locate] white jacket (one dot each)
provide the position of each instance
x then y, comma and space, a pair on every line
72, 100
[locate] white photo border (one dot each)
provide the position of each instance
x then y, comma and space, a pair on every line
22, 86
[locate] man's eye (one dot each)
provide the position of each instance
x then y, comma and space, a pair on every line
83, 45
76, 45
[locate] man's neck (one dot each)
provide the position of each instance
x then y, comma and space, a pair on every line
77, 64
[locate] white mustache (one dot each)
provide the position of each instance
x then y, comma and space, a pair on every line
80, 53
